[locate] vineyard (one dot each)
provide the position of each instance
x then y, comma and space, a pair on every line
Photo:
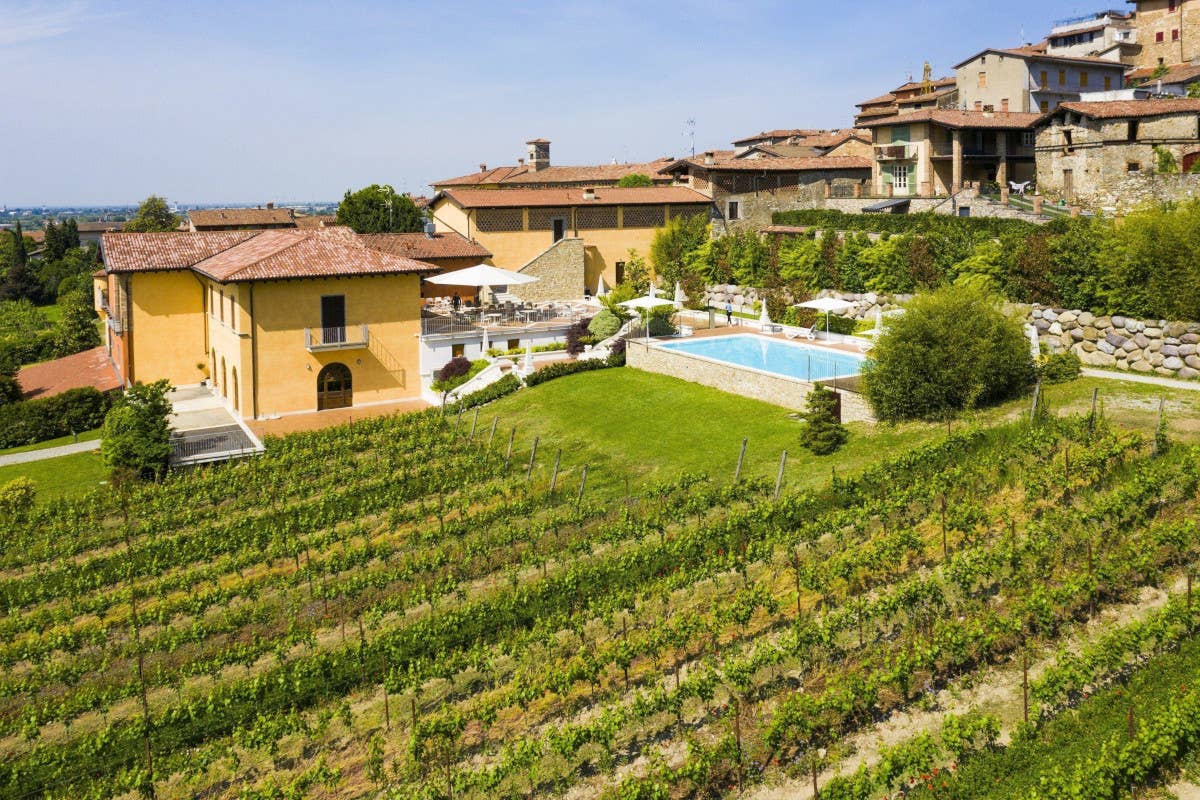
415, 607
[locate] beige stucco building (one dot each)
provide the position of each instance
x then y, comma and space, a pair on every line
1028, 79
1105, 155
934, 152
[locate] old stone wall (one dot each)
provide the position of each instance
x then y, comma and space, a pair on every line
775, 389
559, 270
1148, 346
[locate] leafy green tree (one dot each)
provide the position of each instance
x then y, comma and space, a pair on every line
1164, 161
55, 243
801, 262
454, 373
1148, 266
70, 233
823, 432
20, 282
674, 243
1075, 248
137, 431
16, 498
847, 267
953, 349
378, 209
634, 180
153, 215
984, 268
637, 273
10, 387
1193, 89
885, 264
76, 329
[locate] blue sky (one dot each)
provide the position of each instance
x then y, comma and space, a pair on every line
253, 101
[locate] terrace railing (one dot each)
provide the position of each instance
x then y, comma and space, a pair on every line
336, 338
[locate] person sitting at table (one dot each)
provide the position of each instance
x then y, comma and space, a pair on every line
456, 301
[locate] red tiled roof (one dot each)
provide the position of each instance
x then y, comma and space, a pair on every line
148, 252
1180, 73
98, 227
1038, 52
1116, 109
876, 101
834, 138
308, 221
100, 273
37, 236
953, 118
426, 248
775, 164
89, 368
781, 133
256, 255
925, 98
780, 151
936, 83
241, 217
520, 175
605, 196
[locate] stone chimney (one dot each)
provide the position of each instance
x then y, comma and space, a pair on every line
482, 167
710, 158
539, 153
270, 206
589, 193
521, 161
1004, 104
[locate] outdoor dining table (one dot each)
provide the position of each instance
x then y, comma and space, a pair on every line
528, 314
493, 317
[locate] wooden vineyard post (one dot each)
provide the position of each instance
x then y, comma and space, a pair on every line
582, 485
945, 547
387, 711
1189, 597
1025, 685
474, 422
1092, 416
1158, 426
508, 454
532, 456
779, 477
737, 473
737, 737
1037, 394
554, 476
492, 437
458, 420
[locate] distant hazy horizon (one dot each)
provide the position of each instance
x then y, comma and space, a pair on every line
108, 102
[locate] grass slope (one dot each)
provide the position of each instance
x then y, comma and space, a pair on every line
86, 436
65, 476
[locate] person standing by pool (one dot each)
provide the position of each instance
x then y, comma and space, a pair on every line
728, 313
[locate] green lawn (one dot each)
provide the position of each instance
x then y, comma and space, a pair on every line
65, 476
627, 422
86, 436
53, 312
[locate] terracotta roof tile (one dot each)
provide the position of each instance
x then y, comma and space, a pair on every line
875, 101
953, 118
148, 252
1039, 53
781, 133
936, 83
99, 227
426, 248
1115, 109
776, 164
89, 368
1180, 73
256, 255
309, 221
241, 217
605, 196
523, 175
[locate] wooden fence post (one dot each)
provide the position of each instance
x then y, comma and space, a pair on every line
737, 473
779, 477
532, 456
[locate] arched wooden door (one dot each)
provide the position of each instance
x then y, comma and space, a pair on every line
334, 389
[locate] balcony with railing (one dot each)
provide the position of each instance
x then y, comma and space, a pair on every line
339, 337
895, 152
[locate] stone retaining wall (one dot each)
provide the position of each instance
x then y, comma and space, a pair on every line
774, 389
1153, 346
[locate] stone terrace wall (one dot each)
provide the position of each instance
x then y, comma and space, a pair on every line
776, 390
1148, 346
560, 273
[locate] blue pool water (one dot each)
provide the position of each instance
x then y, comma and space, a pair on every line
772, 355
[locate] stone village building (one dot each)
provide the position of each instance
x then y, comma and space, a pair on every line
536, 172
1028, 79
1168, 32
746, 191
1103, 155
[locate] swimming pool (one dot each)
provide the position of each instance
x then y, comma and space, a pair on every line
778, 357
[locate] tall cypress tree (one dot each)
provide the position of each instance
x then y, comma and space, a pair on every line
21, 282
70, 234
19, 244
55, 245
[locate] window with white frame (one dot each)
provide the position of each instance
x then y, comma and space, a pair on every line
900, 176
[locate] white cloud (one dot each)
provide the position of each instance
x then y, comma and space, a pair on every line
41, 21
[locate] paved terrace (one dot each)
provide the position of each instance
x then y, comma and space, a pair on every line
204, 430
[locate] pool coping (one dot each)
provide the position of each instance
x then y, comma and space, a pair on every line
662, 345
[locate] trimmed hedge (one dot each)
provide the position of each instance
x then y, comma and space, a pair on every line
494, 391
33, 421
563, 368
924, 222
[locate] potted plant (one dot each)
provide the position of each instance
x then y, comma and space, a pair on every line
200, 365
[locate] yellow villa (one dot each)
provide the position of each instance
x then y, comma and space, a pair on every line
280, 321
566, 237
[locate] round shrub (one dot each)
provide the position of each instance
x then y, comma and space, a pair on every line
604, 325
1059, 367
952, 350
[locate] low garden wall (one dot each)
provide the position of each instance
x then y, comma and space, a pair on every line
778, 390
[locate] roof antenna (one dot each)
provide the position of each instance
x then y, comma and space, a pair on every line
689, 130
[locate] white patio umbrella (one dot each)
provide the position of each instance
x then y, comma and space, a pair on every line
482, 276
1035, 345
601, 287
827, 304
680, 297
879, 315
646, 304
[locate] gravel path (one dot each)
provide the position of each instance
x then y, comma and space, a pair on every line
1134, 377
49, 452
